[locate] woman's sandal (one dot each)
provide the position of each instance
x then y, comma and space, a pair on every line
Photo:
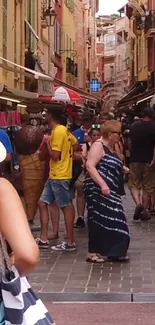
95, 259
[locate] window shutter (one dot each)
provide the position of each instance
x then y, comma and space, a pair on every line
5, 30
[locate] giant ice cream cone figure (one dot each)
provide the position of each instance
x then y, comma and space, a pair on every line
27, 143
32, 173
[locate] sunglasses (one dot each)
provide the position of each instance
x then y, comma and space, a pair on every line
96, 126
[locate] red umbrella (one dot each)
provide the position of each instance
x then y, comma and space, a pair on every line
64, 94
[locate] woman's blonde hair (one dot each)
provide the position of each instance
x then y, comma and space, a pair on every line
110, 126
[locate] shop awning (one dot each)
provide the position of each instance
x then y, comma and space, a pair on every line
135, 100
36, 74
7, 93
137, 91
82, 93
45, 82
16, 68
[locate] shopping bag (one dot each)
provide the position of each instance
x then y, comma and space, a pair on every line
2, 320
21, 305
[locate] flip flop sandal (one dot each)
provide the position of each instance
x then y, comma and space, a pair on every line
95, 259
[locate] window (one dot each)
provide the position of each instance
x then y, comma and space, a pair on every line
99, 38
70, 45
146, 53
119, 63
5, 30
67, 41
109, 40
140, 53
57, 39
30, 15
135, 59
15, 32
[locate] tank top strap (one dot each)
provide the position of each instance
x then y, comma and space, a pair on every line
107, 151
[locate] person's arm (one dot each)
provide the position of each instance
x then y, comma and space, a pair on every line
14, 227
43, 152
55, 144
94, 156
118, 151
152, 165
77, 150
8, 157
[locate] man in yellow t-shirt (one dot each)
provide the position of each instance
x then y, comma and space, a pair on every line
62, 142
57, 188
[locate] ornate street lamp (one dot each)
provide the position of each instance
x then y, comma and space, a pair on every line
49, 15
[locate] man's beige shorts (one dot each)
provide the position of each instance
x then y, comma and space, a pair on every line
142, 177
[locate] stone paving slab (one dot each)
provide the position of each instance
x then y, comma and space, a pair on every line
68, 272
102, 314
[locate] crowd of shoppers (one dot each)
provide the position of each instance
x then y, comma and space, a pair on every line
88, 162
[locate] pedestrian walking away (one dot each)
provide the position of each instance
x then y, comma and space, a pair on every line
142, 163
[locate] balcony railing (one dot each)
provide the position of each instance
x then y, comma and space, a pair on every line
150, 21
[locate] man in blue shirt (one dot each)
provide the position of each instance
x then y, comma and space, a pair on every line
87, 119
82, 135
5, 140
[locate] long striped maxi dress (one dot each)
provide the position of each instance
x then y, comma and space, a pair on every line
108, 229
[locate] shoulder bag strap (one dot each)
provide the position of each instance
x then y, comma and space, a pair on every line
4, 256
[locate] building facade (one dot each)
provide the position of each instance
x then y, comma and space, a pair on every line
150, 40
26, 40
136, 12
91, 8
106, 39
141, 16
65, 50
112, 42
80, 44
57, 54
100, 61
11, 34
122, 57
39, 37
68, 41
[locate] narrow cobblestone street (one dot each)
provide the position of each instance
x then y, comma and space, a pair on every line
68, 273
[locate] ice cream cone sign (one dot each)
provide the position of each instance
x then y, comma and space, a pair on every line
27, 143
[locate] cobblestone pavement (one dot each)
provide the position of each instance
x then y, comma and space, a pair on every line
102, 314
69, 273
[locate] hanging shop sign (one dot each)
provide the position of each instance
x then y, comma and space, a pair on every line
45, 87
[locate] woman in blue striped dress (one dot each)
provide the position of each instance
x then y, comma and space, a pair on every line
108, 229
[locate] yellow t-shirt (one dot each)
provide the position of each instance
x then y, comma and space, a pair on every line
62, 140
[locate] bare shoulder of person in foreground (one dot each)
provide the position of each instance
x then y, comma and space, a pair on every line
14, 227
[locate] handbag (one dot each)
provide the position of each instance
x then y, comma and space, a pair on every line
76, 171
21, 305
